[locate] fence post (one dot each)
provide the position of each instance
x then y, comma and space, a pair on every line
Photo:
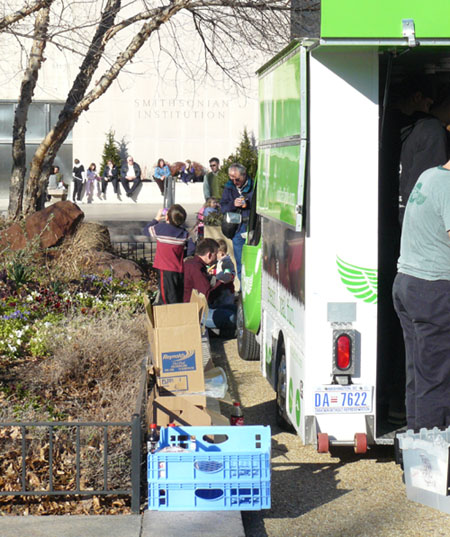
135, 463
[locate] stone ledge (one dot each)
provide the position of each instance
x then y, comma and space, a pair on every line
147, 192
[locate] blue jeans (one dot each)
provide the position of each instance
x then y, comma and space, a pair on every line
221, 317
238, 244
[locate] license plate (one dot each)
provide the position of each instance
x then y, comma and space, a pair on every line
346, 399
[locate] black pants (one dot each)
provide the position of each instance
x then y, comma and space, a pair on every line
130, 186
423, 308
171, 286
77, 189
160, 183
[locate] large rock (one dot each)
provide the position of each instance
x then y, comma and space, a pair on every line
50, 226
101, 261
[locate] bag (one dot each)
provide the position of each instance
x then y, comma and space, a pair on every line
230, 224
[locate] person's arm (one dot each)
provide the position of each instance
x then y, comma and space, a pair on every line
157, 172
147, 227
190, 247
206, 187
227, 201
137, 170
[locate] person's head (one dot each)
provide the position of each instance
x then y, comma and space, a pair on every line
207, 250
223, 248
92, 166
161, 163
176, 215
188, 162
110, 164
55, 169
414, 94
130, 161
238, 174
441, 110
214, 164
77, 161
211, 202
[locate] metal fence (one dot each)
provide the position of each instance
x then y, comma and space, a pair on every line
135, 251
135, 456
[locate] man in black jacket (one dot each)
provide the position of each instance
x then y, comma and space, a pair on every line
130, 176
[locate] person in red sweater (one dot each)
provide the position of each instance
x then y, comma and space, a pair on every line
172, 241
196, 277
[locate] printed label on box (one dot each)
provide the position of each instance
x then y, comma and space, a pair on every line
172, 362
174, 384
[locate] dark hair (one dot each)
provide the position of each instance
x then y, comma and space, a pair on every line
214, 159
163, 161
92, 164
176, 215
56, 167
206, 246
411, 85
77, 161
223, 247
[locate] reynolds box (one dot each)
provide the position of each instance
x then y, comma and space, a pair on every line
177, 347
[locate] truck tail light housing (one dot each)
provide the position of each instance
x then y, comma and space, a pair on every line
344, 343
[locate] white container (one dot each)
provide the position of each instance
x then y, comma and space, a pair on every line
426, 458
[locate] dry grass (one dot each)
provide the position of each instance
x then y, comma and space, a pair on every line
77, 253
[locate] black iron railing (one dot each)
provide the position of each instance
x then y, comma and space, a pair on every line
135, 251
75, 429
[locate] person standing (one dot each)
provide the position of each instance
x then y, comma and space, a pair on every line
79, 177
171, 240
130, 176
110, 175
91, 178
421, 294
211, 187
237, 197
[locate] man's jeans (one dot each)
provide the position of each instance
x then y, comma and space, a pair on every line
238, 244
221, 317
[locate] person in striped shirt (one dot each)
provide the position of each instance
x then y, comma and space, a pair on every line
172, 244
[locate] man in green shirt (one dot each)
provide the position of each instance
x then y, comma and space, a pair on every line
211, 187
421, 296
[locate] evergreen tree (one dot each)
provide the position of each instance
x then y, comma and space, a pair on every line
110, 151
246, 154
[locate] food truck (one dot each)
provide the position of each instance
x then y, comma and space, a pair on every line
323, 237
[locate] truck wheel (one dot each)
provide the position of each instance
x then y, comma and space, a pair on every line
248, 347
282, 417
360, 443
323, 443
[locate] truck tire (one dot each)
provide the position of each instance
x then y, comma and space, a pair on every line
248, 347
282, 417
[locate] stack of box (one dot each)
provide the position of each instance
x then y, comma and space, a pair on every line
210, 469
177, 365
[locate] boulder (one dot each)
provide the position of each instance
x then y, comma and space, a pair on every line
101, 261
51, 225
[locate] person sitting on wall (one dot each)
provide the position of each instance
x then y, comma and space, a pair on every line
187, 174
196, 276
161, 174
130, 176
110, 175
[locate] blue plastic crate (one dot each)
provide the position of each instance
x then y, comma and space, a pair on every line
250, 496
242, 455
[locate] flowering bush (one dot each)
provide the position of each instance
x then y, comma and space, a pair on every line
28, 310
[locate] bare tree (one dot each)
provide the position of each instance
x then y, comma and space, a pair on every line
227, 29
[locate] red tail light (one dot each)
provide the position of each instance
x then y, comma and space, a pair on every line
343, 352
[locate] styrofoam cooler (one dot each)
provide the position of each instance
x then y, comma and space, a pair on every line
426, 463
210, 468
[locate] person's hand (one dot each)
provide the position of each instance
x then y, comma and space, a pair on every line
239, 202
160, 216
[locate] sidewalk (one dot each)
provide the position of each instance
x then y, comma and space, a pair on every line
150, 524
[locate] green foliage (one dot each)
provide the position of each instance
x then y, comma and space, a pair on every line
246, 154
19, 273
110, 151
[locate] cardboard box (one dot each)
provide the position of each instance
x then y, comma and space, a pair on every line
176, 345
165, 407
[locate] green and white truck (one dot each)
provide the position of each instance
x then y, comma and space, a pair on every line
321, 249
